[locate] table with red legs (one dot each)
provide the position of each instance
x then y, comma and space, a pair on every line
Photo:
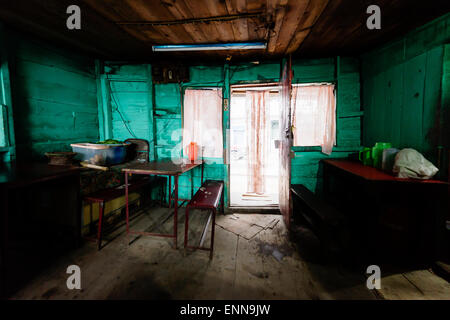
161, 168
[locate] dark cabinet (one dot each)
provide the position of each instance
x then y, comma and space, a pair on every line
40, 220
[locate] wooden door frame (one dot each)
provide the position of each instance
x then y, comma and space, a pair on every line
285, 201
231, 87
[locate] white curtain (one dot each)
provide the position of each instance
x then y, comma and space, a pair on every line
258, 139
314, 116
202, 121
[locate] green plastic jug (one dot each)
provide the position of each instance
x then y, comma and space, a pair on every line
377, 153
365, 156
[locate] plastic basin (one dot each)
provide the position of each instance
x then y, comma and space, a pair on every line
101, 154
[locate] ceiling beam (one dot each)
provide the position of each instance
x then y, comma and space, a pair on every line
309, 19
295, 12
194, 20
279, 16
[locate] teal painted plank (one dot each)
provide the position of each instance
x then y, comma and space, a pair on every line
30, 49
131, 99
168, 131
428, 36
127, 86
54, 92
394, 102
151, 113
431, 101
445, 99
412, 113
126, 71
401, 84
305, 169
100, 106
444, 118
106, 107
226, 134
55, 75
205, 74
168, 152
167, 96
318, 70
414, 43
264, 72
348, 94
55, 95
349, 65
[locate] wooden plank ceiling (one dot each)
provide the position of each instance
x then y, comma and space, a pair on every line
126, 29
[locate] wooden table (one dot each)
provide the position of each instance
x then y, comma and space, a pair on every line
389, 211
161, 168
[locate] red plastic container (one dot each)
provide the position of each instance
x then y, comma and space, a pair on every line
192, 151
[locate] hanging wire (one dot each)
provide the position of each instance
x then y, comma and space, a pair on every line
120, 113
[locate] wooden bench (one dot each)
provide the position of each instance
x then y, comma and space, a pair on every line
206, 198
328, 223
102, 196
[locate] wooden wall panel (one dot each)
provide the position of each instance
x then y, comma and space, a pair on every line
54, 97
129, 96
306, 168
246, 73
401, 89
314, 70
444, 119
412, 111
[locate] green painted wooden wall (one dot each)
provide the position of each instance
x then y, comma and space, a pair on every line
56, 103
59, 97
54, 97
444, 134
154, 111
401, 84
345, 73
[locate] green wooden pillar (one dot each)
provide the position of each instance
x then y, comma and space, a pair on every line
151, 114
104, 103
226, 131
101, 116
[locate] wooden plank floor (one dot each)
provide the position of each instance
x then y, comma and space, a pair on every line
414, 285
149, 268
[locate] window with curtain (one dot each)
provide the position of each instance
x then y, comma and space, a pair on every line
202, 121
314, 116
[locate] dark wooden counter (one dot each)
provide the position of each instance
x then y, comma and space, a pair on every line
40, 218
401, 219
22, 174
357, 169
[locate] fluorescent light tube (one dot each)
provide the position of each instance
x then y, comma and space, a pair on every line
213, 46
